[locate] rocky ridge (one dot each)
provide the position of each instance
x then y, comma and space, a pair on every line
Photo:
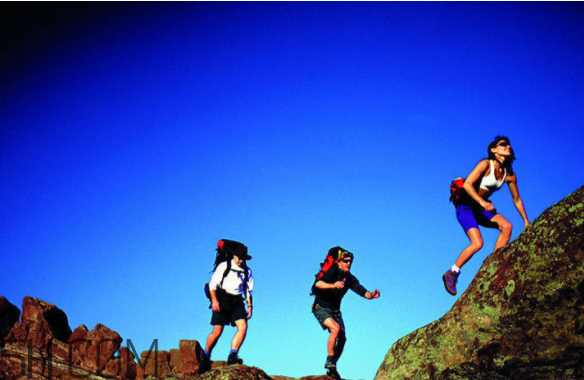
40, 345
522, 317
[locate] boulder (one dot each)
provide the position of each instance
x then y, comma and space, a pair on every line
41, 322
522, 317
190, 353
42, 346
154, 364
101, 345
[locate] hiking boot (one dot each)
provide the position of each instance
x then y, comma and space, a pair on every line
330, 362
449, 278
331, 368
205, 363
332, 372
234, 359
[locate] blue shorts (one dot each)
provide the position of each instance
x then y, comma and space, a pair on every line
471, 216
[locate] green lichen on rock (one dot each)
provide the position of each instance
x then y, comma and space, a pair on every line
522, 316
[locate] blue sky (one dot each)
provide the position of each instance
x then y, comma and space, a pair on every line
132, 137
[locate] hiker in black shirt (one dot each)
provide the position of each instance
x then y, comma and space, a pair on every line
329, 290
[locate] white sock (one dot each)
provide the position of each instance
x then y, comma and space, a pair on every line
455, 268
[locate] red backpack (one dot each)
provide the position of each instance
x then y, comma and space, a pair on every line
334, 255
456, 189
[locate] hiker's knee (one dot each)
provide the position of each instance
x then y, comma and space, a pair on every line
505, 227
334, 328
241, 326
477, 244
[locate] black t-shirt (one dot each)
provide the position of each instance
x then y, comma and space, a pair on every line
331, 298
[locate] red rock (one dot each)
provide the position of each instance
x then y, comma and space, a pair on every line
175, 360
79, 334
78, 345
150, 362
32, 309
60, 351
41, 322
112, 369
45, 329
127, 364
101, 345
122, 367
190, 354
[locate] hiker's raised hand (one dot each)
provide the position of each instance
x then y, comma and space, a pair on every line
373, 295
215, 306
339, 284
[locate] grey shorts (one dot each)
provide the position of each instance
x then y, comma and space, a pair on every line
322, 313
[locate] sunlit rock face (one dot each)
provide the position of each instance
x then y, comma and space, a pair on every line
40, 345
522, 317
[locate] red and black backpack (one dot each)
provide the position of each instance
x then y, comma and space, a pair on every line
334, 255
226, 249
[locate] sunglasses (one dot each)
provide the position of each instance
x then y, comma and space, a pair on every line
503, 144
347, 261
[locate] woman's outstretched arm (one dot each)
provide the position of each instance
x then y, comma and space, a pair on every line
512, 182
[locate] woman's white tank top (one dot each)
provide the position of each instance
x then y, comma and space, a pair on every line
489, 182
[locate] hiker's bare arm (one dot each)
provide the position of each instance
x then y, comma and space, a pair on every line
214, 302
512, 183
475, 175
326, 285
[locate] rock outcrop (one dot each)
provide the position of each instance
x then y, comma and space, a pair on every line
181, 363
41, 346
522, 317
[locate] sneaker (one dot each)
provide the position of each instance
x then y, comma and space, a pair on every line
234, 359
449, 278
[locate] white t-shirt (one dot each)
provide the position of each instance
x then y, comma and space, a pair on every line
233, 283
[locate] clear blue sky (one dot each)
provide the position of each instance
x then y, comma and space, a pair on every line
132, 137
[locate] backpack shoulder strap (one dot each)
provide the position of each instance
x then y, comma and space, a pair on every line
245, 278
225, 273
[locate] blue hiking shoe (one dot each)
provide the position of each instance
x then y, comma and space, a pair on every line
449, 278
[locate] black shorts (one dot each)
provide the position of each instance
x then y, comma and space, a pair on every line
322, 313
232, 309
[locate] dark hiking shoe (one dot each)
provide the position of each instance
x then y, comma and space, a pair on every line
330, 363
205, 364
332, 372
331, 368
450, 278
234, 359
